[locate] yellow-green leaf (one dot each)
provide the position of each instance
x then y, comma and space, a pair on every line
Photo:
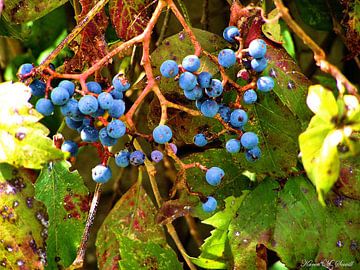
23, 141
322, 102
272, 30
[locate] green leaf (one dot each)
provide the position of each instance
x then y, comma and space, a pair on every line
288, 42
273, 30
23, 141
291, 222
21, 11
145, 256
67, 201
23, 222
253, 224
215, 250
315, 13
133, 217
322, 102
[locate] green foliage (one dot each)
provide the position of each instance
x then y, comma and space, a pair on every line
23, 222
215, 250
23, 140
335, 124
315, 13
129, 236
67, 201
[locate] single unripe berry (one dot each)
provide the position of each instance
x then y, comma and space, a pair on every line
105, 100
105, 139
59, 96
227, 58
265, 84
210, 205
37, 88
187, 81
259, 64
194, 94
89, 134
101, 174
70, 147
120, 83
225, 112
117, 108
250, 96
238, 118
204, 79
215, 89
122, 159
44, 106
249, 140
137, 158
230, 33
257, 48
156, 156
116, 129
88, 104
233, 146
191, 63
162, 134
169, 69
209, 108
253, 154
200, 140
94, 87
214, 175
68, 85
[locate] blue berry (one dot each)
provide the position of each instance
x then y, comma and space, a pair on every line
162, 134
116, 129
156, 156
116, 94
224, 112
227, 58
265, 84
253, 154
204, 79
101, 174
209, 108
214, 175
230, 33
94, 87
199, 102
59, 96
173, 148
99, 112
117, 108
187, 81
88, 104
257, 48
105, 139
71, 109
25, 69
249, 140
37, 88
72, 123
89, 134
44, 106
122, 159
200, 140
120, 83
105, 100
250, 96
70, 146
137, 158
191, 63
259, 64
68, 85
210, 205
216, 88
238, 118
169, 69
194, 94
233, 146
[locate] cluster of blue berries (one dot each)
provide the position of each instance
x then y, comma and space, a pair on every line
81, 113
207, 92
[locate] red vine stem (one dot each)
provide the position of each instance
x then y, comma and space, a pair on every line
319, 54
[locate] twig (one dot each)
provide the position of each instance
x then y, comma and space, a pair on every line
78, 28
205, 14
319, 54
163, 28
185, 12
79, 260
193, 230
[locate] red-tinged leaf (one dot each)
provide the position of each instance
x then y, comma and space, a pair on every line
92, 45
133, 216
23, 221
129, 17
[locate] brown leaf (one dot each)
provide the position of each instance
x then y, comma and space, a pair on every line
92, 45
129, 17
